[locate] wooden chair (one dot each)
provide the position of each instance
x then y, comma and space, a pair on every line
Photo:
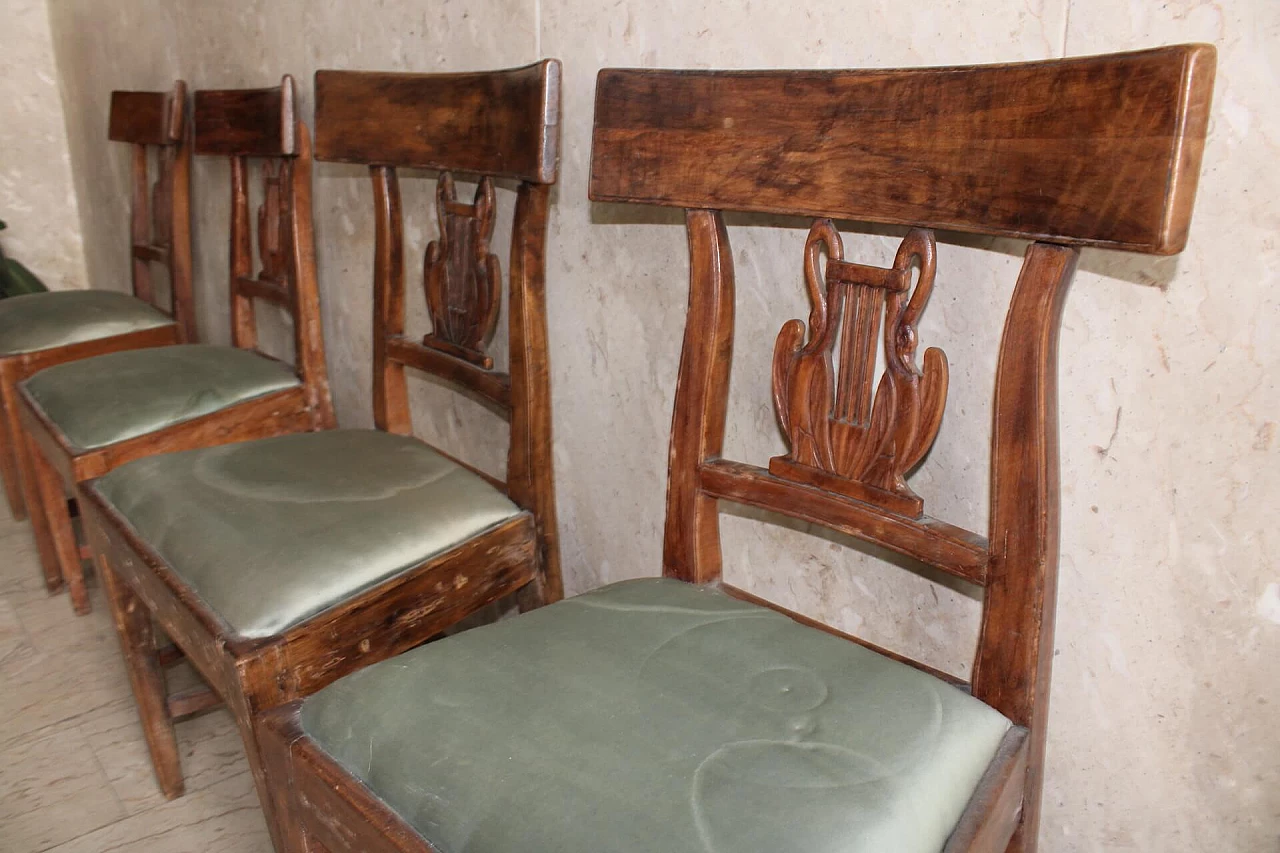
277, 566
681, 713
86, 418
40, 330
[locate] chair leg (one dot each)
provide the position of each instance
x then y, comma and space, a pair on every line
278, 759
53, 504
138, 642
252, 736
10, 436
40, 531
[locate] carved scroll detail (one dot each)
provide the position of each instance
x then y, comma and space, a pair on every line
273, 223
462, 277
840, 437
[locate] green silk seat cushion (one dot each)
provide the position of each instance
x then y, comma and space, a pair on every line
269, 533
39, 321
108, 398
654, 716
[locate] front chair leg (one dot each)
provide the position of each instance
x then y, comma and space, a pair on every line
253, 737
53, 504
277, 757
11, 447
138, 642
40, 531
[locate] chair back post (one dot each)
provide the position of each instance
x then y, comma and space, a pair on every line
498, 124
1031, 150
160, 212
261, 124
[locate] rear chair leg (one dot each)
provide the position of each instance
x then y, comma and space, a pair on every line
10, 444
138, 642
53, 503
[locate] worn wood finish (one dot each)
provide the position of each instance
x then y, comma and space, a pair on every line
260, 123
155, 123
1015, 649
691, 544
504, 124
1026, 150
964, 148
461, 276
236, 124
993, 811
246, 122
519, 556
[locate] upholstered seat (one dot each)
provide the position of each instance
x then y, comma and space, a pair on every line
109, 398
270, 532
654, 716
39, 321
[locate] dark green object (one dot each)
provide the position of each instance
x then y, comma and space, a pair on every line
15, 279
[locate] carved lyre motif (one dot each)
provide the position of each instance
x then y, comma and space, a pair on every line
273, 223
461, 276
840, 437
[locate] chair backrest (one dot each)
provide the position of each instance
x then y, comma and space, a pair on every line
160, 218
486, 124
261, 124
1099, 151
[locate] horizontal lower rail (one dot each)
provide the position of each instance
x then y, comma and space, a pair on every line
150, 254
258, 288
489, 384
170, 655
952, 549
192, 702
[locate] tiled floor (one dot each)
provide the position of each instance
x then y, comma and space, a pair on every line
74, 773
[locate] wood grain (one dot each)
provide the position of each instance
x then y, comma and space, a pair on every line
148, 118
254, 675
1101, 150
246, 122
1097, 150
161, 227
499, 123
155, 123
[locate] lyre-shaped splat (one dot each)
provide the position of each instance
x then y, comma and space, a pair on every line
162, 201
840, 437
273, 223
461, 276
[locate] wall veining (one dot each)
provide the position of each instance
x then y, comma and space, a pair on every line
1163, 732
37, 200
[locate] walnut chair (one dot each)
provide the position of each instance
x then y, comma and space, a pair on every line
680, 713
85, 418
276, 566
40, 330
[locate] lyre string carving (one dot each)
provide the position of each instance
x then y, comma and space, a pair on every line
461, 276
840, 437
274, 238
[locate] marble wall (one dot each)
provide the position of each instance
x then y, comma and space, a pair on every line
1166, 689
37, 200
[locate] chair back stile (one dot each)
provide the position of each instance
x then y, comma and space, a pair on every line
261, 124
502, 124
160, 211
1099, 151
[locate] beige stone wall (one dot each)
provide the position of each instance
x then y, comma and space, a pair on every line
1167, 687
37, 200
